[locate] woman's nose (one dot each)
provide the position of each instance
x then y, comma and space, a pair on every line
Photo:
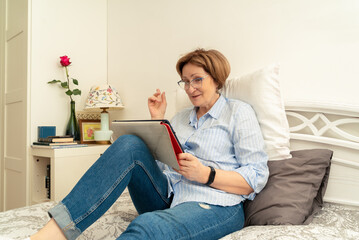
190, 89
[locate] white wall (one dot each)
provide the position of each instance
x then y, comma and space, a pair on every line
74, 28
316, 42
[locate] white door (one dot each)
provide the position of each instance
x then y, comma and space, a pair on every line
15, 117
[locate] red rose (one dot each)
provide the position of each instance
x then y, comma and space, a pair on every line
65, 61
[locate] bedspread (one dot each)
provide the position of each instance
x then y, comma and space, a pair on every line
333, 222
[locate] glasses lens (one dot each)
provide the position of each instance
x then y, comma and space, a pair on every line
181, 84
197, 83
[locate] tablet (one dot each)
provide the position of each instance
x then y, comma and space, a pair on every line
157, 134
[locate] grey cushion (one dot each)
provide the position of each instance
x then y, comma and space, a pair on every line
294, 192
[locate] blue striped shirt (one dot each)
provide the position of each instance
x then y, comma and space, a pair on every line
227, 137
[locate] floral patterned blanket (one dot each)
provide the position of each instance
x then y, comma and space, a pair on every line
333, 222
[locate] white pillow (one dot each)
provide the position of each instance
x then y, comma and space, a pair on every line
261, 90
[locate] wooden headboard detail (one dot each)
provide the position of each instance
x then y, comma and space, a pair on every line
335, 127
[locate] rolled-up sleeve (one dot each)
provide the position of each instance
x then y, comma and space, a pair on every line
250, 150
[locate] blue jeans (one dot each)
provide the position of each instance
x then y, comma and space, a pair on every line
129, 163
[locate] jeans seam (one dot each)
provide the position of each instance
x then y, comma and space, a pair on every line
139, 163
71, 224
212, 226
105, 196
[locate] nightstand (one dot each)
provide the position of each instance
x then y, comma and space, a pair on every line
54, 172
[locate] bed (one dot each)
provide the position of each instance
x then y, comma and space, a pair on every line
334, 221
313, 189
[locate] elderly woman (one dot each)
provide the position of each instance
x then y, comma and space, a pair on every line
223, 164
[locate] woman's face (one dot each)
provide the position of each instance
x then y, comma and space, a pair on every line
205, 96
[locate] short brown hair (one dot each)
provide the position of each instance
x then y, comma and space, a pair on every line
212, 61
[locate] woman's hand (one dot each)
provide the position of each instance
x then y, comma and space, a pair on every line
192, 169
228, 181
157, 105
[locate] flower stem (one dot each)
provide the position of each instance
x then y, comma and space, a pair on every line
68, 82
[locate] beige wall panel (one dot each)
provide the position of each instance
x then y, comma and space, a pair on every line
14, 132
16, 68
16, 17
15, 109
2, 84
14, 180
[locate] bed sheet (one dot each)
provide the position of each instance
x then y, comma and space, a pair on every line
334, 221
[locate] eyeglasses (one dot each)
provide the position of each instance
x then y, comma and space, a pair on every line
195, 83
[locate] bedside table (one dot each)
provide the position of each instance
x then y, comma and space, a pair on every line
54, 172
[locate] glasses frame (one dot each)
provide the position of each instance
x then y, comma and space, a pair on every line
190, 83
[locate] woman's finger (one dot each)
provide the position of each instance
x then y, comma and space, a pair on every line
152, 99
163, 97
157, 93
183, 156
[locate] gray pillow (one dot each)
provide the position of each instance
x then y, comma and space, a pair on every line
294, 192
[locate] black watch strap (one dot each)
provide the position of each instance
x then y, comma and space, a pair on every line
212, 174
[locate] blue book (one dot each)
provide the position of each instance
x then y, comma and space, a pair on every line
45, 131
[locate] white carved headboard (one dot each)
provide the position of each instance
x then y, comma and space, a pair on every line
335, 127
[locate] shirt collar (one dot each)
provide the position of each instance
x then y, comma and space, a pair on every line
217, 108
214, 112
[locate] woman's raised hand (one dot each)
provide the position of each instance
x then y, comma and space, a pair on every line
157, 105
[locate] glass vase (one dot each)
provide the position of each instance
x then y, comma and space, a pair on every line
73, 126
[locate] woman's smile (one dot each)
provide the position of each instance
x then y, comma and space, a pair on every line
195, 96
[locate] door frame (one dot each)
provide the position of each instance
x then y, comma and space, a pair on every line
2, 96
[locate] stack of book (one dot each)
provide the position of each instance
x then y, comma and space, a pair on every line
57, 142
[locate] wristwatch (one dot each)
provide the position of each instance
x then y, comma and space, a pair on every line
212, 174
